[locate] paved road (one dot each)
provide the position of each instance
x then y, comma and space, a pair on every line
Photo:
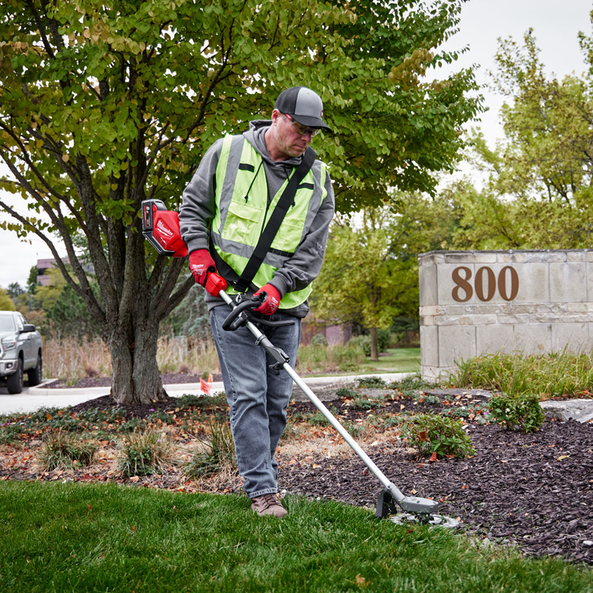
33, 398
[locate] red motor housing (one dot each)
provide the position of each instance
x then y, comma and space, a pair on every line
161, 227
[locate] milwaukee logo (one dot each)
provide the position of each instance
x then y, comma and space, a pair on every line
166, 231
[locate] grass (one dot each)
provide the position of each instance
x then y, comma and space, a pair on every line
71, 537
563, 374
398, 360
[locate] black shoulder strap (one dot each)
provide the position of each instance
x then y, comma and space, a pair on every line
267, 237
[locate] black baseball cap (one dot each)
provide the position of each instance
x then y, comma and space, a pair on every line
303, 105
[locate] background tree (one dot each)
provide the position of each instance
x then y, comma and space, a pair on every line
370, 273
540, 176
104, 105
361, 280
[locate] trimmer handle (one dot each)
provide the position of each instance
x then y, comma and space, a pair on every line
237, 318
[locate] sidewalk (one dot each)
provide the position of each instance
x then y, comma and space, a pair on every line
33, 398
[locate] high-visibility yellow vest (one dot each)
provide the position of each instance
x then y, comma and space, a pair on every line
242, 211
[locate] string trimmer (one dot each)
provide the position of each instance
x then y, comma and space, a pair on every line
161, 228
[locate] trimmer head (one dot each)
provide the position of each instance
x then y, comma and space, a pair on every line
416, 510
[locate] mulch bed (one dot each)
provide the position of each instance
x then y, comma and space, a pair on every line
533, 490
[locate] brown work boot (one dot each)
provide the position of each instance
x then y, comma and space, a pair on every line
268, 504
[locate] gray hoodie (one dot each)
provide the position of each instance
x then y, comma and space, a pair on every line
198, 209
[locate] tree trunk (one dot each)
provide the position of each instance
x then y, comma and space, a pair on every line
374, 344
136, 376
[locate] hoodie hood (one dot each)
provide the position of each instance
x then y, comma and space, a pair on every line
256, 137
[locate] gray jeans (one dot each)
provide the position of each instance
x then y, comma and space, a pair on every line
257, 396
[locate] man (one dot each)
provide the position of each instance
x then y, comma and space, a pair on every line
235, 189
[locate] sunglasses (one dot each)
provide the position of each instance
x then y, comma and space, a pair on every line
302, 130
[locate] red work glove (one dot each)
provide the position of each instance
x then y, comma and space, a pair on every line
203, 268
272, 300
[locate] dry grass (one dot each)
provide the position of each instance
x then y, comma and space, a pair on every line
71, 360
324, 443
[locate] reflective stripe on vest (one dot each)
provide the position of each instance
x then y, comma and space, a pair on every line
243, 209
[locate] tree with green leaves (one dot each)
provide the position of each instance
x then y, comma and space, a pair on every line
539, 192
105, 104
361, 280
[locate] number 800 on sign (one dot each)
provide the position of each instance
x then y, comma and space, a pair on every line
485, 283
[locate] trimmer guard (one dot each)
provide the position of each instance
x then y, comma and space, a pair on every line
387, 504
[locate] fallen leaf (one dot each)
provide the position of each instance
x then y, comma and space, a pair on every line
361, 581
434, 457
563, 457
423, 436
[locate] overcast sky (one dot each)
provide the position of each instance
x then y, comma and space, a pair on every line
556, 24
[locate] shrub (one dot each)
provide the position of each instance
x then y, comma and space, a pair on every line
218, 451
144, 453
522, 411
346, 392
318, 419
371, 383
432, 433
10, 433
383, 341
319, 340
61, 450
362, 342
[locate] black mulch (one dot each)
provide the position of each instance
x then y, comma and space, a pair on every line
535, 490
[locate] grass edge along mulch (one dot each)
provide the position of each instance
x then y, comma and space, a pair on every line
105, 537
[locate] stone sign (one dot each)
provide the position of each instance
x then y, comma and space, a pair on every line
478, 302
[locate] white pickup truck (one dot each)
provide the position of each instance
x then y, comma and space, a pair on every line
20, 352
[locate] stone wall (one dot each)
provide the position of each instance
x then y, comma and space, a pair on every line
477, 302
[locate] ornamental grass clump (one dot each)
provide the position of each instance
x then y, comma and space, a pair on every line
559, 374
216, 453
519, 411
145, 453
432, 433
61, 450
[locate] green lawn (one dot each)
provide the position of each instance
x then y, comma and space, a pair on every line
395, 360
72, 537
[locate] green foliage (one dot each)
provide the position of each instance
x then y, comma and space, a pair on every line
319, 340
9, 433
318, 419
144, 453
346, 392
432, 433
519, 411
371, 382
204, 402
6, 303
412, 382
217, 452
364, 341
68, 316
60, 450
